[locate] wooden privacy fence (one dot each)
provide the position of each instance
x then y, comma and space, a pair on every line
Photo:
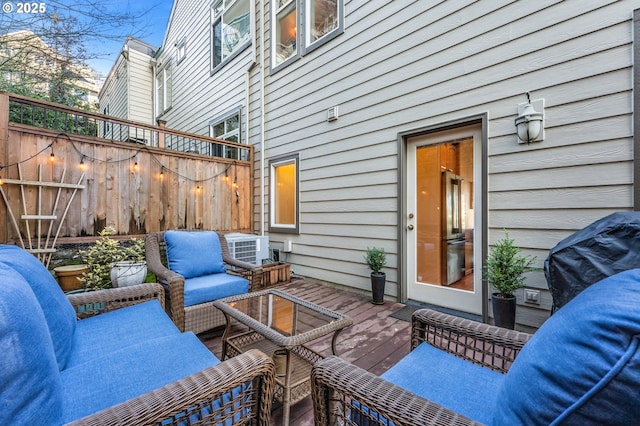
57, 184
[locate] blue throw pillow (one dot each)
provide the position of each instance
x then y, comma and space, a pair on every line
30, 385
194, 254
583, 365
58, 312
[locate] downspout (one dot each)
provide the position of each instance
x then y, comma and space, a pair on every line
262, 114
154, 64
253, 63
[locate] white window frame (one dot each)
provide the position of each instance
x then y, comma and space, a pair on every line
303, 42
278, 6
225, 151
279, 227
181, 50
164, 89
339, 29
218, 16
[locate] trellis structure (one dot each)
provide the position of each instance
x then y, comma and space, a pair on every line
44, 247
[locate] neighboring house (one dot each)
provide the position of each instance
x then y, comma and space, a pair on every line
26, 59
127, 92
391, 124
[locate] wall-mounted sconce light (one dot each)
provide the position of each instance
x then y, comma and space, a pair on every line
530, 121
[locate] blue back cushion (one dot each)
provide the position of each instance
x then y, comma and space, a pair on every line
30, 386
194, 254
58, 312
583, 365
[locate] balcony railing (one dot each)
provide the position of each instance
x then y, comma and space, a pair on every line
47, 115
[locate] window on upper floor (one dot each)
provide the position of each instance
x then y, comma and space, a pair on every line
285, 31
284, 195
230, 29
323, 18
227, 127
299, 26
163, 89
181, 50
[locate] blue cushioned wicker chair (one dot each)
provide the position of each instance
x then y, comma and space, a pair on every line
196, 268
581, 367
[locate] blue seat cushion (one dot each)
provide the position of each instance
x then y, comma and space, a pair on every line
58, 312
193, 254
112, 378
583, 365
119, 329
30, 387
452, 382
213, 287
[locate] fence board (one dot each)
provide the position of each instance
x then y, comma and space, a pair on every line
133, 202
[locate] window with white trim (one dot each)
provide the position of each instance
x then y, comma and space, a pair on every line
228, 128
163, 89
285, 31
230, 29
181, 50
299, 26
284, 195
323, 18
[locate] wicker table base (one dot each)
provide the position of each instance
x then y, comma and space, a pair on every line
302, 359
281, 322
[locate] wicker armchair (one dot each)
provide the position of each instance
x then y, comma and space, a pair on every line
346, 394
203, 316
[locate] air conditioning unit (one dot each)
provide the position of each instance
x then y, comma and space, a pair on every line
248, 248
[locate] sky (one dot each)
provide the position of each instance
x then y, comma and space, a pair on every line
150, 28
101, 37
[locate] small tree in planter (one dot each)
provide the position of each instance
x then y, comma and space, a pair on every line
504, 270
107, 254
376, 259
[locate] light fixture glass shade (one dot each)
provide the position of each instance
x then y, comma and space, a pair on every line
529, 124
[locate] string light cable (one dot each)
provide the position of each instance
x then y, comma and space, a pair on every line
84, 156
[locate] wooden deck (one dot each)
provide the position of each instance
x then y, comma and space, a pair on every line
374, 342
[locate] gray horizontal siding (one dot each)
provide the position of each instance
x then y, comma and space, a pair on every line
398, 67
405, 65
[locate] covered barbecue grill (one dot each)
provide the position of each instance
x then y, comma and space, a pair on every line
604, 248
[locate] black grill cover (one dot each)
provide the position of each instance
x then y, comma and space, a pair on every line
604, 248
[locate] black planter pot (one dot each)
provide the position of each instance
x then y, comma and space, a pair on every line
504, 311
377, 287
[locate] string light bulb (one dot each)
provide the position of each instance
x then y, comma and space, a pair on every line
52, 157
135, 166
162, 173
82, 163
198, 189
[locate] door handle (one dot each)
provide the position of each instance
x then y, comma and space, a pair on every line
410, 227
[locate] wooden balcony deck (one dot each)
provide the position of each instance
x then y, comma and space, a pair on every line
375, 341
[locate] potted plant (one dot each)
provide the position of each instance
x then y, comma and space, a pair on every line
70, 275
504, 270
111, 264
376, 258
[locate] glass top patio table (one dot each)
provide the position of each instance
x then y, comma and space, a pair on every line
286, 320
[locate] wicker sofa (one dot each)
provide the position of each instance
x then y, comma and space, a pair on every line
581, 367
112, 357
200, 256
